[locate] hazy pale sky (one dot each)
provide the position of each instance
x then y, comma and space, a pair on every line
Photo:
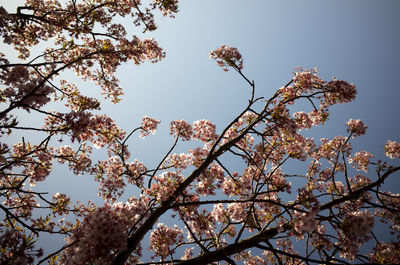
356, 41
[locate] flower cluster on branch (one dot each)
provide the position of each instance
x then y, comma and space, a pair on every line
230, 196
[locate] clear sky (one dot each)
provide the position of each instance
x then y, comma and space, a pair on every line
357, 41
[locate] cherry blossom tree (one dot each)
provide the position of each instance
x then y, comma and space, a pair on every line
251, 213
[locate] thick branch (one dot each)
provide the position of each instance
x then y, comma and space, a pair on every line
229, 250
136, 237
359, 192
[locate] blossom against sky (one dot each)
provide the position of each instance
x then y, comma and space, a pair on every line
356, 41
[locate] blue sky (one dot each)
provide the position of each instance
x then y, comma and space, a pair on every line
357, 41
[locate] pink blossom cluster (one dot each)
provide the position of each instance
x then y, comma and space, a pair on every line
78, 122
392, 149
356, 127
361, 160
182, 129
23, 204
78, 162
319, 240
325, 174
237, 211
123, 7
167, 8
247, 118
359, 181
268, 208
281, 119
206, 184
17, 75
76, 101
188, 253
17, 248
227, 57
36, 162
358, 224
148, 125
219, 213
355, 230
15, 33
153, 52
337, 187
232, 132
178, 161
238, 185
329, 148
71, 19
107, 131
386, 253
164, 185
289, 93
110, 178
101, 130
60, 203
246, 142
297, 146
356, 204
267, 153
304, 80
339, 91
205, 131
136, 170
163, 238
111, 55
198, 155
305, 221
103, 233
277, 180
389, 213
318, 116
26, 88
201, 223
38, 170
265, 259
303, 120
